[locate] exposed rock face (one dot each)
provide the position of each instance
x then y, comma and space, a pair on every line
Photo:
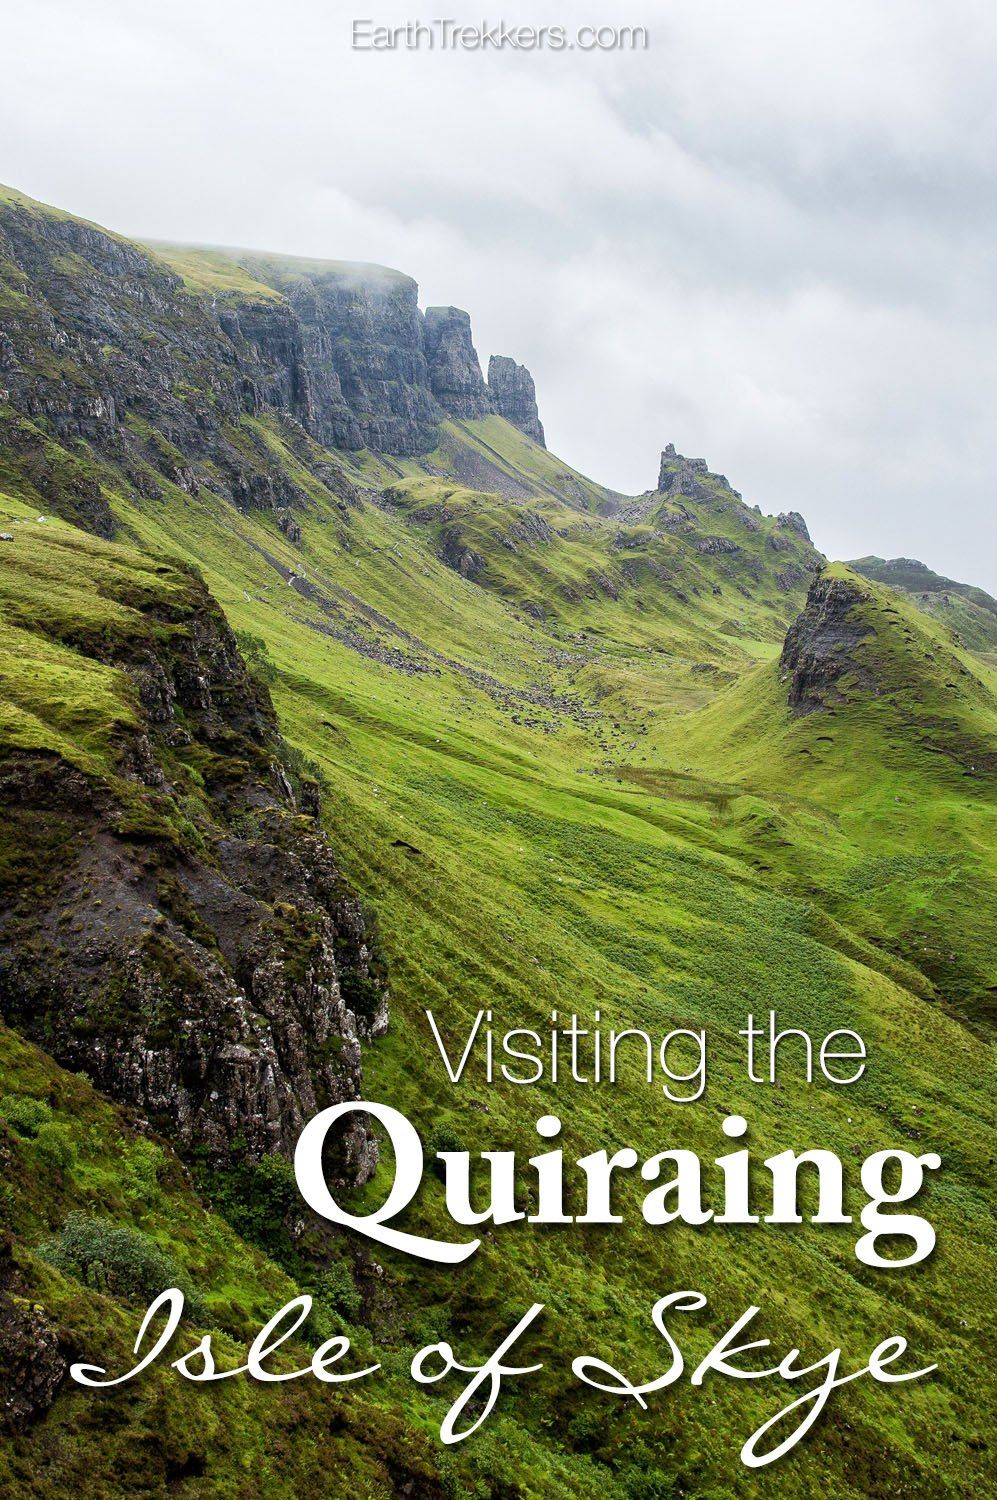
793, 521
217, 975
33, 1363
454, 372
455, 552
514, 396
820, 645
678, 475
714, 546
361, 340
529, 527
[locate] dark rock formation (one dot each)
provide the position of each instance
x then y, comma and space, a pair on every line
678, 475
456, 554
454, 372
788, 578
361, 343
32, 1365
514, 396
529, 527
714, 546
218, 973
820, 646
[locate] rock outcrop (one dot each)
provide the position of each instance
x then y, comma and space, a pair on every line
454, 371
678, 475
819, 650
514, 396
32, 1365
793, 521
456, 554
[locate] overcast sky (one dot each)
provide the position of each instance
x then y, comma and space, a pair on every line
768, 238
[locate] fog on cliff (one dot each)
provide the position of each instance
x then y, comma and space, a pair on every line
767, 237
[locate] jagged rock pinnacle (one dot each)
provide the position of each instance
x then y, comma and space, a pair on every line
514, 396
455, 377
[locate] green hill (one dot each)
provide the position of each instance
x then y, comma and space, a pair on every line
559, 747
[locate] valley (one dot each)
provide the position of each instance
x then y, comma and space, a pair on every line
286, 591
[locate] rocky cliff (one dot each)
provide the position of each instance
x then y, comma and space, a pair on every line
454, 372
362, 349
514, 396
174, 923
154, 357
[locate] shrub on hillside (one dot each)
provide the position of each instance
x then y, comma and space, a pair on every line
116, 1259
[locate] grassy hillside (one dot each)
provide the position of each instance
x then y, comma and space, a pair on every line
969, 611
903, 757
559, 761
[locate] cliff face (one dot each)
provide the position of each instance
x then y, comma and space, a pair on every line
103, 344
361, 340
454, 371
107, 343
514, 396
820, 647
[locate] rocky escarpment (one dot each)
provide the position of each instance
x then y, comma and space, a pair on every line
106, 343
106, 349
819, 650
363, 353
176, 926
514, 396
454, 372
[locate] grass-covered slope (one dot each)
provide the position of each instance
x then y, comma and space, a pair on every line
970, 612
559, 758
97, 1219
893, 736
702, 576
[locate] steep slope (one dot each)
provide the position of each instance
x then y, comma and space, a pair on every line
173, 921
879, 716
552, 803
98, 1216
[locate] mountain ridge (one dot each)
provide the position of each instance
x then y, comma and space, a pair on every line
970, 611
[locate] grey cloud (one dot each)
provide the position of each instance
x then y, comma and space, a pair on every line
768, 238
